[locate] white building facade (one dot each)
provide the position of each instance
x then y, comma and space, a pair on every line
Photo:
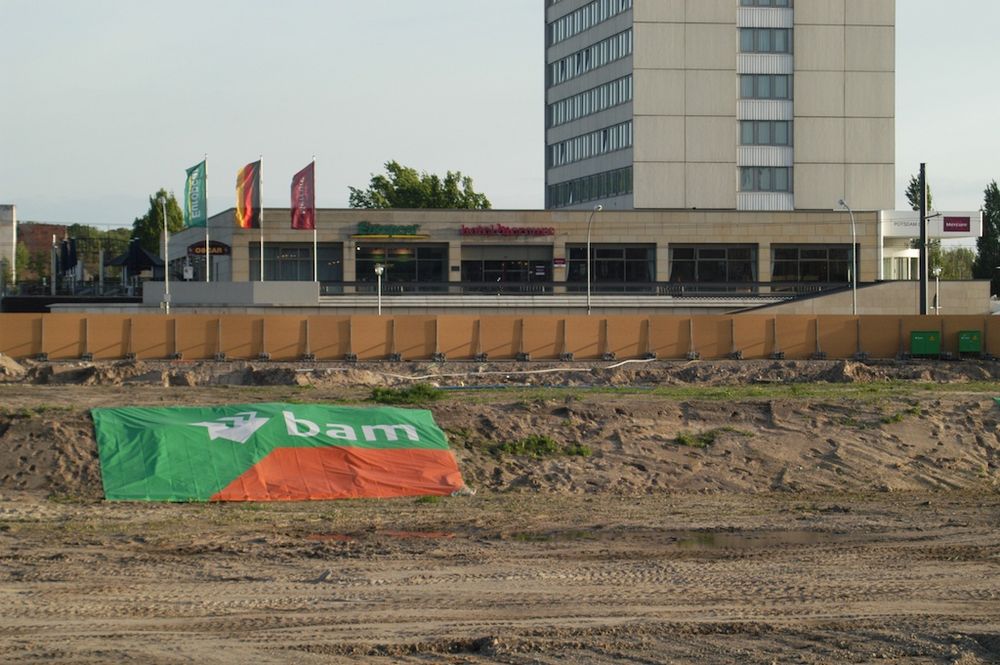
766, 105
8, 241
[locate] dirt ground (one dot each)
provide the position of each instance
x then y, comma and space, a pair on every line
758, 512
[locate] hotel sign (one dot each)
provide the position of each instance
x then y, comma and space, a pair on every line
507, 231
957, 224
369, 230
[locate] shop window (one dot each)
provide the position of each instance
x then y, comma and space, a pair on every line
811, 264
619, 267
713, 264
500, 268
286, 262
411, 264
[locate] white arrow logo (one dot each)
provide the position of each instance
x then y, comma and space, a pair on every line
238, 428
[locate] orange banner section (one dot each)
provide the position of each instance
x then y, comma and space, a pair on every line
319, 474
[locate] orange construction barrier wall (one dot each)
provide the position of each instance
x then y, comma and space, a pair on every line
368, 337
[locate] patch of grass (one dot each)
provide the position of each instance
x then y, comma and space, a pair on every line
539, 446
695, 439
578, 450
531, 537
429, 499
708, 437
899, 416
418, 393
535, 445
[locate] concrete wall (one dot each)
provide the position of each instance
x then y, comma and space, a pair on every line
845, 103
235, 294
685, 104
108, 337
8, 240
965, 298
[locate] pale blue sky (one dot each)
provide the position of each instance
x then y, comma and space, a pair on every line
104, 101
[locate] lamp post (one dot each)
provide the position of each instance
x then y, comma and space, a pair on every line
379, 269
590, 220
166, 257
936, 271
854, 259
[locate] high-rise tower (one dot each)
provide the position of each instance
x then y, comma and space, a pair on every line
720, 104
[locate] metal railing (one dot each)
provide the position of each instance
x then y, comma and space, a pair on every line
763, 290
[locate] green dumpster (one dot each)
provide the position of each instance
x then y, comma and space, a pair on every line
925, 343
970, 341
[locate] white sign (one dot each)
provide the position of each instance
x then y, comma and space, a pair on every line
940, 224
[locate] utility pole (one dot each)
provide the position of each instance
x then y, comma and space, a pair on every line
923, 239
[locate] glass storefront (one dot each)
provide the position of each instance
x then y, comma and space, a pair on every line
613, 267
411, 267
286, 262
811, 264
713, 264
499, 268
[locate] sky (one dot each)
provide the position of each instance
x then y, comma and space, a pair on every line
102, 102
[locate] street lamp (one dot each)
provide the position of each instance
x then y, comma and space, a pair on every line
166, 257
590, 220
379, 269
854, 259
936, 271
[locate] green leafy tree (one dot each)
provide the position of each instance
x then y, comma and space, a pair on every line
913, 194
403, 187
956, 263
39, 263
148, 228
913, 199
21, 257
989, 244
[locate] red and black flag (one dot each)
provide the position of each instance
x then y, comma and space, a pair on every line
304, 198
248, 196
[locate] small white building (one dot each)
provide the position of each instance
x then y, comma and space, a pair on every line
899, 238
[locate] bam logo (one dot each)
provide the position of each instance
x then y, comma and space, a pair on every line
238, 428
306, 428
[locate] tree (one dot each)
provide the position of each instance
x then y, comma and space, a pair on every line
913, 194
957, 263
148, 228
21, 260
403, 187
989, 244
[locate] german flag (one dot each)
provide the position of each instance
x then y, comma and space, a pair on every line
248, 196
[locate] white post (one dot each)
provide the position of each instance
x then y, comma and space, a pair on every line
937, 290
261, 217
854, 258
315, 223
379, 269
208, 255
590, 221
166, 257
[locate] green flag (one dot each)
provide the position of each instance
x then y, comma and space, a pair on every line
195, 206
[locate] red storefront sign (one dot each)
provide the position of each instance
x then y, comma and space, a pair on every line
507, 231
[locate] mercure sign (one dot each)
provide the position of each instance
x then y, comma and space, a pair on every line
266, 452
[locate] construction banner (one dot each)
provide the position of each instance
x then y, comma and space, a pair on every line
272, 452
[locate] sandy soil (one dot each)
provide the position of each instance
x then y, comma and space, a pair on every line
849, 521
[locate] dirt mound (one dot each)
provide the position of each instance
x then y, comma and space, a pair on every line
10, 369
629, 373
603, 443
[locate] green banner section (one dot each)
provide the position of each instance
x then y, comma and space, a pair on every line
190, 454
195, 204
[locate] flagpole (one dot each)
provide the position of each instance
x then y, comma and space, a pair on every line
208, 255
315, 222
261, 179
